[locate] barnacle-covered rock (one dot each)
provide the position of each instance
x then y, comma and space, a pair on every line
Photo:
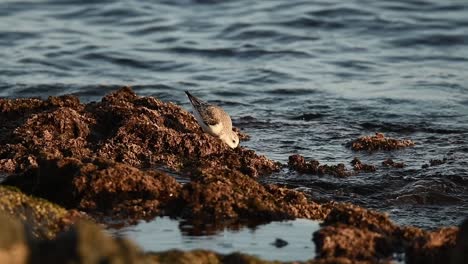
378, 142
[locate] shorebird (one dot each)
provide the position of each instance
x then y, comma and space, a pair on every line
214, 121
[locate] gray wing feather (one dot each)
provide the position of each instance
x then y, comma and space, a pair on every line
209, 115
207, 112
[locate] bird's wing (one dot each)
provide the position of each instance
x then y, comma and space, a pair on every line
212, 115
209, 114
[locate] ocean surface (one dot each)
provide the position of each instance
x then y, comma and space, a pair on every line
298, 76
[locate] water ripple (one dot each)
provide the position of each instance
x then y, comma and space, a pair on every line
298, 76
437, 40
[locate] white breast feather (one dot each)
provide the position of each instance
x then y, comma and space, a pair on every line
216, 129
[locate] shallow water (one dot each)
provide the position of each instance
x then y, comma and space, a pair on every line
299, 77
164, 234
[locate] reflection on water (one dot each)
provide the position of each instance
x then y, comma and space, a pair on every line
164, 233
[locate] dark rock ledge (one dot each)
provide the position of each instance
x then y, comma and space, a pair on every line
86, 162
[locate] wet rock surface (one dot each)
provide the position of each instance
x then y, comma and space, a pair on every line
298, 163
358, 165
434, 162
378, 142
392, 163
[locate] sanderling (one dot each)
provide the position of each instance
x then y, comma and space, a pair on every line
214, 121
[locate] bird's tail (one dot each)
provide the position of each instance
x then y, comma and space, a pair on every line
194, 100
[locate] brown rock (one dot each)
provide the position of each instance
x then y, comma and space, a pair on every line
356, 233
391, 163
347, 226
356, 216
434, 162
352, 243
460, 252
52, 148
378, 142
234, 197
434, 247
139, 131
298, 163
359, 166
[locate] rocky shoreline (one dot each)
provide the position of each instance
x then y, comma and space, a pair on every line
69, 164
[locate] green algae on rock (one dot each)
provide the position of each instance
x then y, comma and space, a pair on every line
13, 248
43, 217
86, 242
